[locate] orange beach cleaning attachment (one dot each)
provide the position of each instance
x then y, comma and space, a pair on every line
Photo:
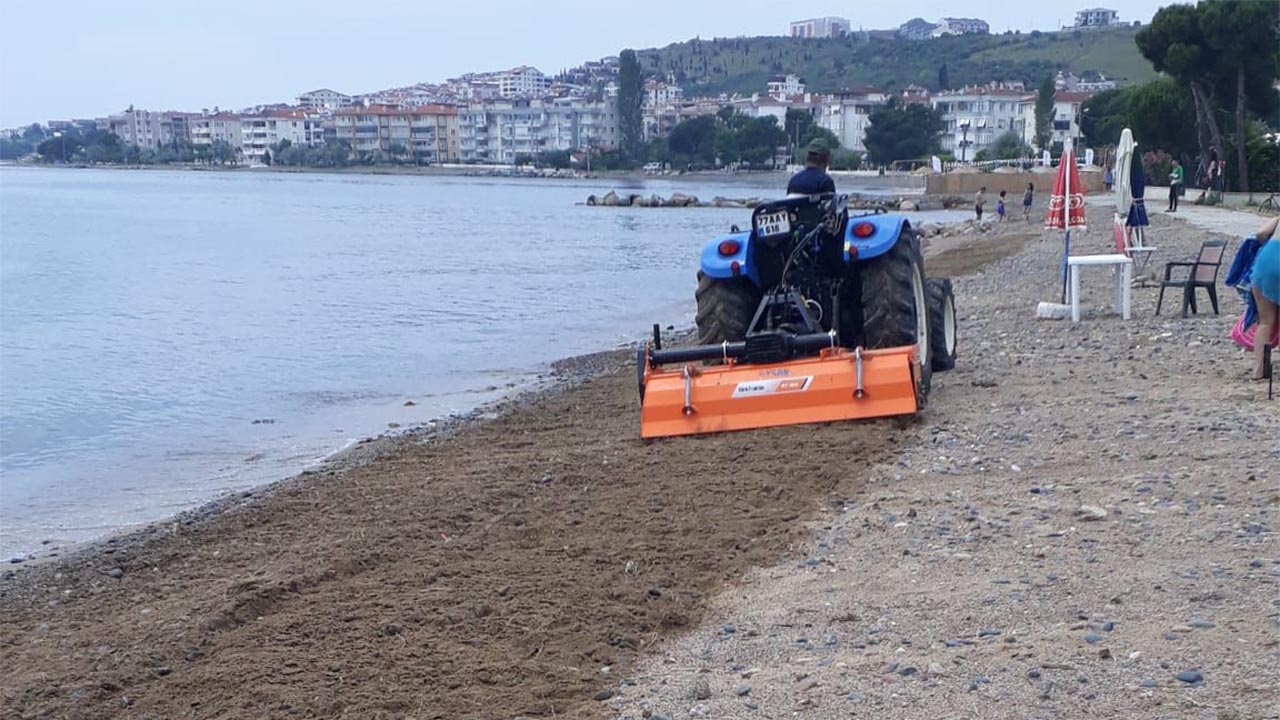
835, 384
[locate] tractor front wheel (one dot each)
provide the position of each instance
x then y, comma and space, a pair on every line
725, 309
895, 308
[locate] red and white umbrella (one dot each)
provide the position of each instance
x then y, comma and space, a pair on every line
1066, 205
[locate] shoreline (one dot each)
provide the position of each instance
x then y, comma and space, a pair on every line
546, 562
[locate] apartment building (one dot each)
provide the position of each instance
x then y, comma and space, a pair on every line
500, 131
784, 86
657, 93
208, 128
137, 127
961, 26
826, 27
1096, 18
430, 133
1066, 116
523, 81
324, 100
975, 116
848, 115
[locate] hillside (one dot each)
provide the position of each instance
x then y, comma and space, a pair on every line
743, 65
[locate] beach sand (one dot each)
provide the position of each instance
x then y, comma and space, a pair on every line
544, 562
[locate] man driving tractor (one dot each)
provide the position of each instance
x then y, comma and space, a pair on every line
813, 179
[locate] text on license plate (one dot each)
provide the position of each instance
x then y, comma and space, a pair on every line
775, 223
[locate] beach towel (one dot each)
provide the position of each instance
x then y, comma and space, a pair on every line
1242, 265
1245, 333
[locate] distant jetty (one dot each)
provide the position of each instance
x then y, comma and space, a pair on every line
856, 202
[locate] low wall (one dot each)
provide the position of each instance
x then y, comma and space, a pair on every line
967, 183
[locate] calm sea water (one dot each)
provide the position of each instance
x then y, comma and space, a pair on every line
169, 336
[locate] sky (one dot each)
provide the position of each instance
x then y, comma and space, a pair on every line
88, 58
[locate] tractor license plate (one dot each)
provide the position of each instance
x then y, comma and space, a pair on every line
774, 224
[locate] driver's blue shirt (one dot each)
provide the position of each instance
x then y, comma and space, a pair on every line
811, 181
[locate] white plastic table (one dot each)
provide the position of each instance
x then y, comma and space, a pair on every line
1123, 270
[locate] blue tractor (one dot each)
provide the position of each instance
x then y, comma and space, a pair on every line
862, 277
807, 281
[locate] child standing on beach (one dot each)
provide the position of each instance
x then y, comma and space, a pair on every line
1000, 207
1026, 202
979, 200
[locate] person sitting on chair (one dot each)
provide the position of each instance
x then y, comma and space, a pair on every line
813, 179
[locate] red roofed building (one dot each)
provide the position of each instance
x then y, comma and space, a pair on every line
428, 133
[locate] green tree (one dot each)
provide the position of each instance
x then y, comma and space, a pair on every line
1104, 116
630, 104
694, 139
1175, 44
903, 132
944, 77
1162, 116
1244, 39
1044, 112
1008, 146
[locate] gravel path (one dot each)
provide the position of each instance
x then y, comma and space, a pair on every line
1087, 527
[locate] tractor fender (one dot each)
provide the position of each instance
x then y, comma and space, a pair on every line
885, 231
720, 267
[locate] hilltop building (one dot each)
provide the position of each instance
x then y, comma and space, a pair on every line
826, 27
325, 100
1097, 18
783, 86
921, 29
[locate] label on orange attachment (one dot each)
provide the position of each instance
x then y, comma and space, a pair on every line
771, 387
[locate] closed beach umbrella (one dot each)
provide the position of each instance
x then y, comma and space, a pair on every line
1066, 205
1125, 151
1137, 218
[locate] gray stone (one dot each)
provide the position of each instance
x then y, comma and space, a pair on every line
116, 573
603, 695
1091, 513
1147, 683
743, 690
1191, 677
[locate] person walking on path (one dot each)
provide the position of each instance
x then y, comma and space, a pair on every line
1266, 293
1108, 179
1175, 185
1000, 207
979, 200
1027, 198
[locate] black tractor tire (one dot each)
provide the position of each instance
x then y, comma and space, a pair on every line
942, 323
895, 308
725, 309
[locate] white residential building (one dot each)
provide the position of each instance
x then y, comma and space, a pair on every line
1096, 18
848, 115
974, 117
784, 86
207, 129
1066, 116
523, 81
427, 134
501, 131
325, 100
826, 27
656, 93
960, 26
258, 133
138, 127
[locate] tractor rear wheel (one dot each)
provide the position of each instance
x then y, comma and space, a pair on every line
725, 309
942, 323
895, 308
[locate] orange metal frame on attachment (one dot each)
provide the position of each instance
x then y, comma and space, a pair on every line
837, 384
